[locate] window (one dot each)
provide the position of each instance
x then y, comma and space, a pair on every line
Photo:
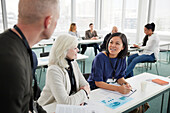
64, 21
111, 14
1, 21
131, 14
12, 12
85, 11
162, 15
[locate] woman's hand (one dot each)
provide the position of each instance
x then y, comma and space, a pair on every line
136, 45
128, 85
86, 88
124, 89
82, 104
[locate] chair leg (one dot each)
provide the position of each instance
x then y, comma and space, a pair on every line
147, 66
156, 68
40, 75
150, 66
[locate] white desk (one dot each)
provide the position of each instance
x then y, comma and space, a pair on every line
50, 42
132, 49
43, 44
167, 44
90, 41
43, 61
37, 46
164, 43
81, 42
139, 98
153, 90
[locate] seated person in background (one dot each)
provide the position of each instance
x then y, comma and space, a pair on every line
150, 51
92, 35
111, 64
65, 83
73, 31
103, 45
145, 39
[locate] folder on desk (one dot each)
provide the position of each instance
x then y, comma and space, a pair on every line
160, 82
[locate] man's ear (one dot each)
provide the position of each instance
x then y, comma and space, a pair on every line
47, 22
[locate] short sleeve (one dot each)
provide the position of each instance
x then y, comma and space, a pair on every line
97, 69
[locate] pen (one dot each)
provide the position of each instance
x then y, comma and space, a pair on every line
85, 103
133, 90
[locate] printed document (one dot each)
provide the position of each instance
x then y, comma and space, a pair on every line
61, 108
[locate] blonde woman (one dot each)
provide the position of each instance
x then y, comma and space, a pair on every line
65, 83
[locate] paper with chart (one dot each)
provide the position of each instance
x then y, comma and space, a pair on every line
113, 100
61, 108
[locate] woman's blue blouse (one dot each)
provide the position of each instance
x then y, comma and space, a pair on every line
102, 69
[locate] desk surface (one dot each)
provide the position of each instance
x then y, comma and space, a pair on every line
138, 97
90, 41
164, 43
42, 61
37, 46
50, 42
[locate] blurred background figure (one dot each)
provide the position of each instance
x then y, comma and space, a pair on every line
73, 31
150, 51
103, 45
91, 34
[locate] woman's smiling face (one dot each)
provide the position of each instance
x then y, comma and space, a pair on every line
115, 46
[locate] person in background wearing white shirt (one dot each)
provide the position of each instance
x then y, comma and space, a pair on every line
150, 51
65, 83
73, 31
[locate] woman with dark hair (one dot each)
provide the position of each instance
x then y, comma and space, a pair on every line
111, 65
145, 39
150, 51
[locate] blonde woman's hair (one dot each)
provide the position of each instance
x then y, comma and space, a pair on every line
60, 48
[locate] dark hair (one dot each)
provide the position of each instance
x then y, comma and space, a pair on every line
72, 26
90, 24
145, 40
123, 52
150, 26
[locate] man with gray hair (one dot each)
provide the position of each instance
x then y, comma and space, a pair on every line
103, 45
37, 20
